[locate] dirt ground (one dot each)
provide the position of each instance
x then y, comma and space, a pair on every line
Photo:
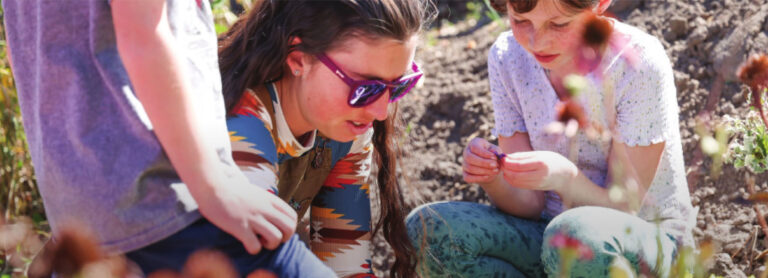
706, 40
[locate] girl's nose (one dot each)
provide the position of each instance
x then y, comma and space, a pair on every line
378, 109
537, 40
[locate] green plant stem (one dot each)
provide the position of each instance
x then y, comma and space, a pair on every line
760, 217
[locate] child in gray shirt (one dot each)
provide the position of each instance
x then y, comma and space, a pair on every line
125, 121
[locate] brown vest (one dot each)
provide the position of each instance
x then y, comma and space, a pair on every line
300, 178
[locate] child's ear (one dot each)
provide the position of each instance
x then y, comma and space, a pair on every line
296, 60
602, 6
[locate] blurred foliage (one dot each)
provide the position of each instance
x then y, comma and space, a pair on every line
18, 187
226, 12
477, 9
749, 147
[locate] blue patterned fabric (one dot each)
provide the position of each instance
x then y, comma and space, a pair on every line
462, 239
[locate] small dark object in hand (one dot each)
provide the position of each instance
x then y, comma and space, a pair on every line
499, 156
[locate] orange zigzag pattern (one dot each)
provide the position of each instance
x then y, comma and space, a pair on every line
346, 171
249, 105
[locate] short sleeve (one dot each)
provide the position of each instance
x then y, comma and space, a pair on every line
506, 106
646, 108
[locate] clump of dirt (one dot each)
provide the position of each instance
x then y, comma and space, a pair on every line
706, 40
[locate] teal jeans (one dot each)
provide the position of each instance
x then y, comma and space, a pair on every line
462, 239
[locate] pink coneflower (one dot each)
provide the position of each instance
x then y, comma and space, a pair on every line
597, 36
73, 250
74, 253
569, 109
261, 273
597, 33
565, 243
209, 264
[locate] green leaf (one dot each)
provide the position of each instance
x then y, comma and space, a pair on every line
220, 28
38, 218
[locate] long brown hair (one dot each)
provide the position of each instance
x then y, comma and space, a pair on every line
254, 50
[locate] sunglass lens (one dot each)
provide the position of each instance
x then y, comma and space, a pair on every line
365, 94
400, 90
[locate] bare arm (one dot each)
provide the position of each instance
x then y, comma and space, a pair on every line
191, 134
632, 167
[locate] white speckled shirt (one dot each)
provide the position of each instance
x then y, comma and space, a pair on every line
646, 109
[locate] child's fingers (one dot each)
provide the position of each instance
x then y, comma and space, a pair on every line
271, 236
484, 171
494, 148
521, 165
526, 179
518, 179
522, 155
284, 223
471, 159
283, 217
470, 178
481, 148
250, 241
284, 208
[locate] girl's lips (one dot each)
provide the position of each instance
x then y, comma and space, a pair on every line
545, 58
359, 129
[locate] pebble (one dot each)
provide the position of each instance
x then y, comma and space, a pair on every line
678, 26
741, 219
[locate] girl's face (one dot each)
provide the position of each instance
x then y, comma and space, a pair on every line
549, 32
322, 96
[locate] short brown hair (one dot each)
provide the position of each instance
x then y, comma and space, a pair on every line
524, 6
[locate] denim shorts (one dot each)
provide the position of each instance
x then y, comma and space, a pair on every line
290, 259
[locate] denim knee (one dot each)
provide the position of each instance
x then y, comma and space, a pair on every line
434, 223
425, 222
582, 223
583, 227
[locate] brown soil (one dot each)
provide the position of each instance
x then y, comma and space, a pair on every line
706, 40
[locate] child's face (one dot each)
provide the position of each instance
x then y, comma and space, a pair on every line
323, 96
549, 32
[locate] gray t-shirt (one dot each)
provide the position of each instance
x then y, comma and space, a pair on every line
96, 157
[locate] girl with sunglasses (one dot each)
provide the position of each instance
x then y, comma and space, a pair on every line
546, 205
310, 88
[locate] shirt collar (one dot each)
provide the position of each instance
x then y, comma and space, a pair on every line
286, 142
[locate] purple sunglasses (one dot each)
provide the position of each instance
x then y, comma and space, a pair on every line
365, 92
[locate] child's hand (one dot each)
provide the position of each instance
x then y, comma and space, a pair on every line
253, 215
538, 170
481, 163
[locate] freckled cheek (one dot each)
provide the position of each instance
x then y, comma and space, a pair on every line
520, 35
571, 42
328, 103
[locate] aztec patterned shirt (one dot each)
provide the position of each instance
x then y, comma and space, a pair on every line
340, 214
